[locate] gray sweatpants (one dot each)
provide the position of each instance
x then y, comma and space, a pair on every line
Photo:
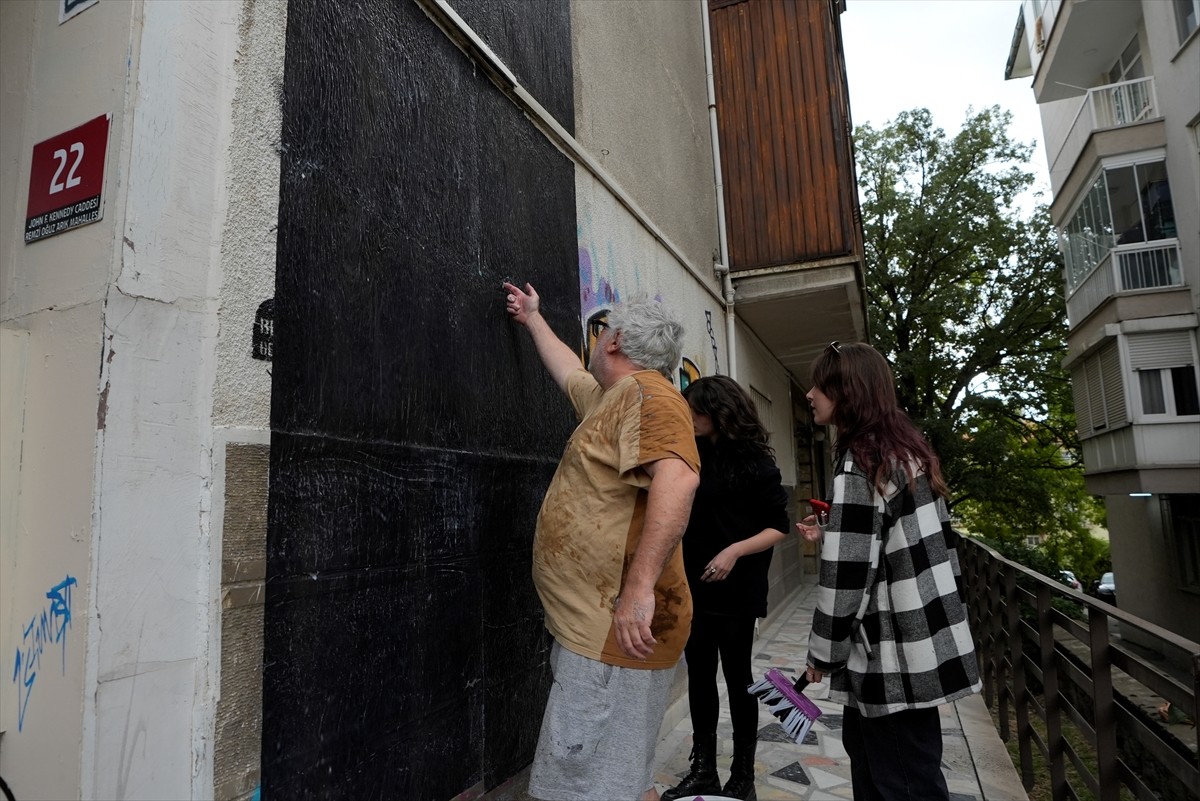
599, 731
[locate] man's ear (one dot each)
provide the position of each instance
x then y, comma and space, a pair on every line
614, 343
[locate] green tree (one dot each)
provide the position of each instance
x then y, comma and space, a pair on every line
965, 296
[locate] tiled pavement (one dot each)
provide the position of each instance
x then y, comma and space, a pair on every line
975, 763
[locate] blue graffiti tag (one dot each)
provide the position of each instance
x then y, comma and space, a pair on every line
45, 629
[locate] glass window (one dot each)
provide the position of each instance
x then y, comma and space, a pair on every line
1169, 391
1123, 197
1153, 401
1187, 16
1129, 64
1124, 206
1156, 201
1181, 519
1183, 382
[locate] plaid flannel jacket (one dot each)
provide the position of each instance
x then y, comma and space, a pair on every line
890, 628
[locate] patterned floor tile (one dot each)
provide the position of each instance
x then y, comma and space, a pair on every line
793, 773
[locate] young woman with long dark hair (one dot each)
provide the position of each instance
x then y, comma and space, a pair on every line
890, 627
738, 515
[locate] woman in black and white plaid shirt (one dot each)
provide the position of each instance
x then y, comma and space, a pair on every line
890, 627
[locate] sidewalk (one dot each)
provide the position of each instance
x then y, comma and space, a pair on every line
976, 764
975, 761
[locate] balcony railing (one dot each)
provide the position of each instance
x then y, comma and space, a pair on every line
1145, 265
1058, 679
1109, 106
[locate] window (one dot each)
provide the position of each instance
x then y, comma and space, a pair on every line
1099, 393
1033, 541
1187, 16
1169, 392
1125, 206
1166, 374
1181, 521
1129, 64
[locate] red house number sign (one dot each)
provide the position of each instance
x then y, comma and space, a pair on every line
66, 180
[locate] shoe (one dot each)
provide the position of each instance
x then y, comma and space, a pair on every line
741, 772
703, 777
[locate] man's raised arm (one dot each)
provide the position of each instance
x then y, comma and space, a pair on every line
560, 360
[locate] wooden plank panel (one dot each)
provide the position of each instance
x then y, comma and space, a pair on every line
787, 22
782, 111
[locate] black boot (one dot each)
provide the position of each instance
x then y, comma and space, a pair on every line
703, 778
741, 772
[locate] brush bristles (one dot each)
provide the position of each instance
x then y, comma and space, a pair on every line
795, 712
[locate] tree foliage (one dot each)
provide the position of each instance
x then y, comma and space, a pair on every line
965, 297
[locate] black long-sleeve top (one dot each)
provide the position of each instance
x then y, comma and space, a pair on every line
732, 505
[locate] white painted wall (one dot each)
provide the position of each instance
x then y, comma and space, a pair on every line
147, 726
618, 254
757, 368
115, 477
55, 77
243, 388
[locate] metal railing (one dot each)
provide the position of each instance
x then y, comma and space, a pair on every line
1110, 106
1145, 265
1075, 691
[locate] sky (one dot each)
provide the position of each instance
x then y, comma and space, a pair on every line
944, 55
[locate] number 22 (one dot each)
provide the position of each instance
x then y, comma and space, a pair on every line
61, 157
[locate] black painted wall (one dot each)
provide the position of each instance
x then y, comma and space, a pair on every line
414, 430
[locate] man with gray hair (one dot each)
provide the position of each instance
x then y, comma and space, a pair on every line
606, 561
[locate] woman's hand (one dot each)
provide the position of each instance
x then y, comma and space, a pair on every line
719, 566
813, 675
809, 529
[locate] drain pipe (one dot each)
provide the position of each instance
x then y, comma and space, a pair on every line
721, 266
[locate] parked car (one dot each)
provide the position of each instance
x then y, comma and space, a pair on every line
1106, 589
1068, 577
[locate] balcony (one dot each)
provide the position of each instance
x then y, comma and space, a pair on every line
1113, 106
1126, 268
1081, 39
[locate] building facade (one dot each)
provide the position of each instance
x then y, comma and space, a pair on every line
271, 451
1118, 86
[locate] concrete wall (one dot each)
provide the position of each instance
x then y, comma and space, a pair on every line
1178, 88
117, 476
147, 727
1143, 557
55, 77
1143, 560
241, 398
651, 133
137, 421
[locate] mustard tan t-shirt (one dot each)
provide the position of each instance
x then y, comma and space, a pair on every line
591, 520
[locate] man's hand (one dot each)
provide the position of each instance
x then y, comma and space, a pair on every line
632, 613
522, 303
523, 306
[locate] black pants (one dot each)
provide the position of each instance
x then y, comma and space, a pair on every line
896, 757
731, 637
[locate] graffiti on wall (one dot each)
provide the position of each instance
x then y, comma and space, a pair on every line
688, 372
597, 296
45, 630
713, 339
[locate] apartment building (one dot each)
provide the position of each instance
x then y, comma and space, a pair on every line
1118, 86
271, 452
